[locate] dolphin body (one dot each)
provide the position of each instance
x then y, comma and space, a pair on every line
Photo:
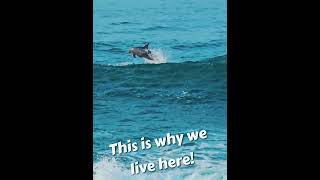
141, 52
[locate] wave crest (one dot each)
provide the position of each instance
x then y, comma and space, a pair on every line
110, 169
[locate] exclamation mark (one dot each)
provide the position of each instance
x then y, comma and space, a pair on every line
191, 155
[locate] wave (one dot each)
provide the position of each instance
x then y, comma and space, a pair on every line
112, 50
199, 82
210, 70
161, 58
101, 44
197, 45
106, 47
120, 23
155, 28
110, 169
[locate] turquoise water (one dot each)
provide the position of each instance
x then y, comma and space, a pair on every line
183, 90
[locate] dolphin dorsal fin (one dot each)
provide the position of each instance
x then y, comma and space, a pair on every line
146, 46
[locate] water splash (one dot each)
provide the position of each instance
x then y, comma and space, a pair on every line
110, 169
158, 56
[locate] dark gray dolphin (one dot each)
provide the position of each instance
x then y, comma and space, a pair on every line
141, 52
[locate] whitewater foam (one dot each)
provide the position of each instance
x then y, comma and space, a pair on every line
158, 56
110, 169
123, 64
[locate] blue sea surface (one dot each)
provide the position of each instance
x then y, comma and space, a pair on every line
183, 90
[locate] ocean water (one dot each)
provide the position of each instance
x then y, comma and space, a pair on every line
182, 90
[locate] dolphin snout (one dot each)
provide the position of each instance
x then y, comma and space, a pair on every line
130, 50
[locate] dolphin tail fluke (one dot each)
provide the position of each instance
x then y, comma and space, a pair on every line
149, 57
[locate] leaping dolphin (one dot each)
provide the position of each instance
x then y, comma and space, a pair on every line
141, 52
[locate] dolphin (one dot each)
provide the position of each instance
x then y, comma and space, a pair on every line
141, 52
